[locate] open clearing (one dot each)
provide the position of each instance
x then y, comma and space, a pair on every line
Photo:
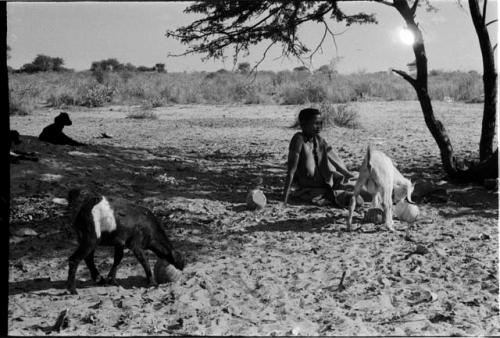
273, 271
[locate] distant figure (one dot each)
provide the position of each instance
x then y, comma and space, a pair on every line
16, 155
53, 133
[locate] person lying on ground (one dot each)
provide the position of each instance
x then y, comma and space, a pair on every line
17, 155
53, 133
313, 166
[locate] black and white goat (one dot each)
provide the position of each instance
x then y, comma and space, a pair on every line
101, 220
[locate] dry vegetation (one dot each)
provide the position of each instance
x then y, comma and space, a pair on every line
269, 272
151, 89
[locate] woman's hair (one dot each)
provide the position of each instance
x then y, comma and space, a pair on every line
307, 114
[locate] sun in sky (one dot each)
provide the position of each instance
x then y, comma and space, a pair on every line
406, 36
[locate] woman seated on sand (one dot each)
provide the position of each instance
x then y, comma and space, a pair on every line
319, 173
53, 133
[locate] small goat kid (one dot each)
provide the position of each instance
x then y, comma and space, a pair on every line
384, 182
100, 220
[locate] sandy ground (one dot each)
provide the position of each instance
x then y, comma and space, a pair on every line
270, 272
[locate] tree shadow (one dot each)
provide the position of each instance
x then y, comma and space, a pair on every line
41, 284
139, 172
335, 224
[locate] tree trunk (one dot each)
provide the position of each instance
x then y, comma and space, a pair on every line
489, 79
5, 180
435, 126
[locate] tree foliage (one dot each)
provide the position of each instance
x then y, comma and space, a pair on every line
44, 63
241, 24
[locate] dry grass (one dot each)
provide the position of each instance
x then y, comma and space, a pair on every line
142, 114
284, 87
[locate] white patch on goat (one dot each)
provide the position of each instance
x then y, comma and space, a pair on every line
104, 218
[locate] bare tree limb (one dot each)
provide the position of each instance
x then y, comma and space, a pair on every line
320, 43
492, 21
405, 76
387, 3
332, 34
254, 68
414, 8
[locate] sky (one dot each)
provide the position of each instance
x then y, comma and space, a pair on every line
83, 32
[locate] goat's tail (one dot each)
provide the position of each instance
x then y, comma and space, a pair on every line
368, 157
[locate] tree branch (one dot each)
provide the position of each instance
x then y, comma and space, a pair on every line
413, 9
405, 76
254, 68
492, 21
387, 3
484, 10
320, 43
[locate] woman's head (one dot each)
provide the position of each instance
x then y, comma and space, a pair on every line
310, 120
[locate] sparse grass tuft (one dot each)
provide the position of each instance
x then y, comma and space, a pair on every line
95, 95
19, 107
142, 114
61, 100
341, 115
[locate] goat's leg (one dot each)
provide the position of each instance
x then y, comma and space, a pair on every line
83, 250
376, 200
94, 273
352, 205
111, 279
141, 257
387, 206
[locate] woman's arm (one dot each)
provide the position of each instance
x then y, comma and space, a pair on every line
293, 161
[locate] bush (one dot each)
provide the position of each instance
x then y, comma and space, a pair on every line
61, 100
95, 95
341, 115
19, 108
142, 114
293, 94
156, 101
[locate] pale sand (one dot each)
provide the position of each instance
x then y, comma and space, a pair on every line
273, 271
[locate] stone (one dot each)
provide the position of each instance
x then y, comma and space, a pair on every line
256, 199
405, 211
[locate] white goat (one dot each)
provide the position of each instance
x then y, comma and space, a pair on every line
382, 180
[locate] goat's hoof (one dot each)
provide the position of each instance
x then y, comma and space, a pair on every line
152, 284
72, 291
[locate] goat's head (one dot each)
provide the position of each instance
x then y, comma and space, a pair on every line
178, 260
403, 191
